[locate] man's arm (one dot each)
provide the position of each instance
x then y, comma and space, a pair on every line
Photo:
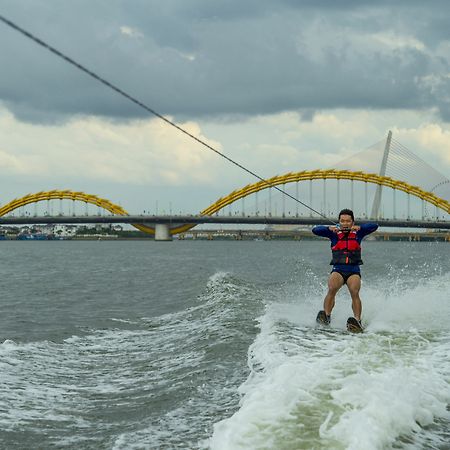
367, 228
322, 230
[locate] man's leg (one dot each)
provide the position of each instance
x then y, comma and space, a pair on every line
354, 285
335, 282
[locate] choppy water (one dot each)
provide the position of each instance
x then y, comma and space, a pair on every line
131, 345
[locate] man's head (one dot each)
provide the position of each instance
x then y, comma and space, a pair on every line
346, 219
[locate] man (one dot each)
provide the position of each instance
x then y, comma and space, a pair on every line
345, 240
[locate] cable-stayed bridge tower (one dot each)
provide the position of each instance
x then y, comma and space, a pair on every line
389, 158
377, 199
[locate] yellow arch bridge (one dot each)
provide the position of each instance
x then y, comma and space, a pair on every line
223, 202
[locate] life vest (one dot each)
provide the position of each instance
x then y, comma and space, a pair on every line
347, 250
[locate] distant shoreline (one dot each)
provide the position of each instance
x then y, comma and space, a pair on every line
246, 235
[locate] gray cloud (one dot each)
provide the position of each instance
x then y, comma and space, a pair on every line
197, 58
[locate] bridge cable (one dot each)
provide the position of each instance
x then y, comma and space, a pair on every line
148, 109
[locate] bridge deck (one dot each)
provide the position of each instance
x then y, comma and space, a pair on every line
174, 220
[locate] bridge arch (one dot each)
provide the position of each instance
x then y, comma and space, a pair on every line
292, 177
318, 174
70, 195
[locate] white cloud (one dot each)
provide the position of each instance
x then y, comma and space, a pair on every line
10, 163
322, 38
189, 56
131, 32
147, 152
283, 142
432, 138
393, 41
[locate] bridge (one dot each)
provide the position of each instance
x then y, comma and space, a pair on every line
406, 206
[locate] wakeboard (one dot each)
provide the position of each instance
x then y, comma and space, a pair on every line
353, 325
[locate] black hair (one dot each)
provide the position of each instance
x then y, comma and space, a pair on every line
348, 212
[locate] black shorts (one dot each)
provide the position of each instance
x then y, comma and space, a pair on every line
346, 275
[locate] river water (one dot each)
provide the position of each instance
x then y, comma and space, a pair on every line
196, 344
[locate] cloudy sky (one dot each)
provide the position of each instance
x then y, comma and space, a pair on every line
277, 85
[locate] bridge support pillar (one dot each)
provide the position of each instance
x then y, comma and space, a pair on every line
162, 232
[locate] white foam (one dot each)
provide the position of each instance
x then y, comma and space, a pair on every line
380, 405
424, 306
53, 389
329, 389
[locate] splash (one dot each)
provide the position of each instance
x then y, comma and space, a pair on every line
162, 374
310, 388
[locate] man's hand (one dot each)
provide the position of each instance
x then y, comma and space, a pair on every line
335, 229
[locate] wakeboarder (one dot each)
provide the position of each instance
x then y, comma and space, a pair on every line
345, 240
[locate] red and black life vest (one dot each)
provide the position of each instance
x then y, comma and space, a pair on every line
347, 250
